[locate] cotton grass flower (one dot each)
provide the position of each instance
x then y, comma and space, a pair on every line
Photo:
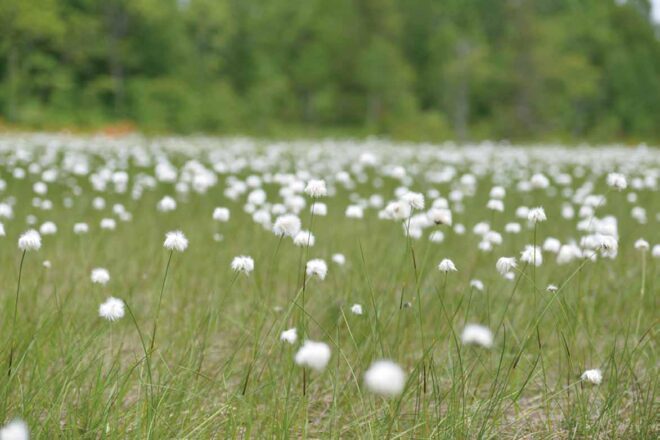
100, 275
447, 265
477, 284
354, 211
356, 309
109, 224
304, 238
318, 208
617, 181
437, 237
536, 215
505, 265
512, 228
532, 255
475, 334
15, 430
175, 241
398, 210
166, 204
80, 228
551, 244
112, 309
48, 228
316, 188
440, 216
316, 267
642, 245
221, 214
385, 378
290, 336
656, 251
242, 264
314, 355
495, 205
286, 225
568, 253
594, 376
339, 259
29, 241
414, 199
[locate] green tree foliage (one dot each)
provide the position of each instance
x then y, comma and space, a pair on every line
417, 69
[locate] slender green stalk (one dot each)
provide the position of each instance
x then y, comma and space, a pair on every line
147, 355
160, 301
641, 292
15, 314
304, 288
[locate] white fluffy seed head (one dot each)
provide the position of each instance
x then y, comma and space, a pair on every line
304, 239
398, 210
642, 245
242, 263
354, 211
316, 267
385, 378
536, 215
475, 334
656, 251
594, 376
356, 309
532, 255
440, 216
80, 228
287, 224
29, 241
48, 228
447, 265
495, 205
414, 199
290, 336
112, 309
319, 209
316, 188
166, 204
505, 265
175, 241
15, 430
221, 214
512, 228
617, 181
100, 275
314, 355
339, 259
108, 224
551, 244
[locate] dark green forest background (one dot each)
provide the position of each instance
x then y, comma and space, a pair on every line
414, 69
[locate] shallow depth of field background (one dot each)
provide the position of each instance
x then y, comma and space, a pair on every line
423, 70
113, 109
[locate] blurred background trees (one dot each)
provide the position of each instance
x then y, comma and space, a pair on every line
414, 69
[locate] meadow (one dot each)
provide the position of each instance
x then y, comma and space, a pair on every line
326, 289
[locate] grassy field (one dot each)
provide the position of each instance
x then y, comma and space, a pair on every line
218, 368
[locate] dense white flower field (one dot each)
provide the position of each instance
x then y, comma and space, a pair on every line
210, 288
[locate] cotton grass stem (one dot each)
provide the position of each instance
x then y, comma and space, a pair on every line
160, 300
13, 321
641, 292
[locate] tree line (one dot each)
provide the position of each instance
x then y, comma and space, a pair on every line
414, 69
